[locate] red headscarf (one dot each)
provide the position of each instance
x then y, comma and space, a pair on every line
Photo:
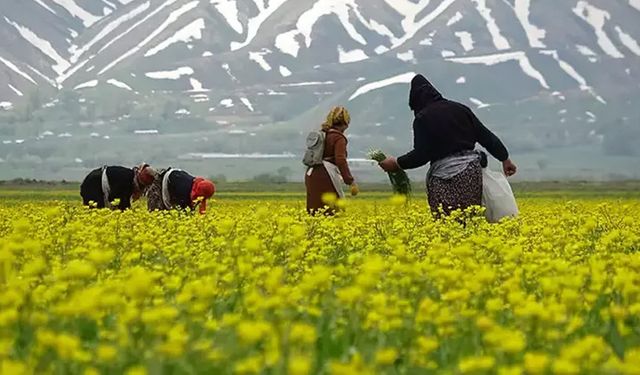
202, 188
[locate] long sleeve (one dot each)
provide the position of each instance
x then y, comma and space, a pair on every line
341, 160
488, 140
418, 156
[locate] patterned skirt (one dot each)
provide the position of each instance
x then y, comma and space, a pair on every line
459, 192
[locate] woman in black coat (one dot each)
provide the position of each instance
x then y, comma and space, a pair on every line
177, 189
103, 186
445, 134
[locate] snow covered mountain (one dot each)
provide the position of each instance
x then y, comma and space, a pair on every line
547, 75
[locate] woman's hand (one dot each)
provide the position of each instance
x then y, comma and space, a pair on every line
389, 164
509, 168
354, 189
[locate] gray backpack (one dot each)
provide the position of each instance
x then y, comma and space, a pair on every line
315, 148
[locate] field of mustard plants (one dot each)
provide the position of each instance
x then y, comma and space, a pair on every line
257, 287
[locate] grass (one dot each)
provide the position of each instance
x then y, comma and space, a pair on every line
69, 191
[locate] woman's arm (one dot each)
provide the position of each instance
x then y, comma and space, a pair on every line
493, 144
341, 160
488, 139
417, 157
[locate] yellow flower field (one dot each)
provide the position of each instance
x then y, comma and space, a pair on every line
257, 287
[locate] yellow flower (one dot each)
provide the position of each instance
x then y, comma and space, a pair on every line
474, 364
106, 353
136, 370
302, 333
386, 357
536, 363
299, 365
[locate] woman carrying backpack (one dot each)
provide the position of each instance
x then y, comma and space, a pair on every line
325, 173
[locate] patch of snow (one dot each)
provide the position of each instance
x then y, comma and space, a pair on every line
207, 54
173, 17
171, 74
479, 104
227, 103
88, 84
46, 133
535, 35
258, 57
146, 131
107, 11
381, 49
455, 19
6, 105
237, 131
76, 11
196, 86
345, 57
229, 10
7, 142
311, 83
18, 92
94, 135
45, 6
108, 28
461, 80
635, 4
426, 42
77, 160
628, 41
140, 22
227, 69
106, 137
371, 86
559, 95
119, 84
187, 34
466, 40
628, 71
411, 11
36, 71
90, 69
69, 72
254, 24
284, 71
499, 41
360, 79
406, 56
42, 45
308, 19
597, 18
571, 72
447, 53
520, 57
65, 135
183, 111
276, 93
584, 50
590, 114
247, 103
287, 43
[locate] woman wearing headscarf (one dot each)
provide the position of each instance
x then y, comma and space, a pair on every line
445, 134
103, 186
326, 177
177, 189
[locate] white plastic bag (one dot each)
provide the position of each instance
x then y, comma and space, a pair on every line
497, 196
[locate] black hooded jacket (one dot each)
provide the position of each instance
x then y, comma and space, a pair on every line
443, 128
